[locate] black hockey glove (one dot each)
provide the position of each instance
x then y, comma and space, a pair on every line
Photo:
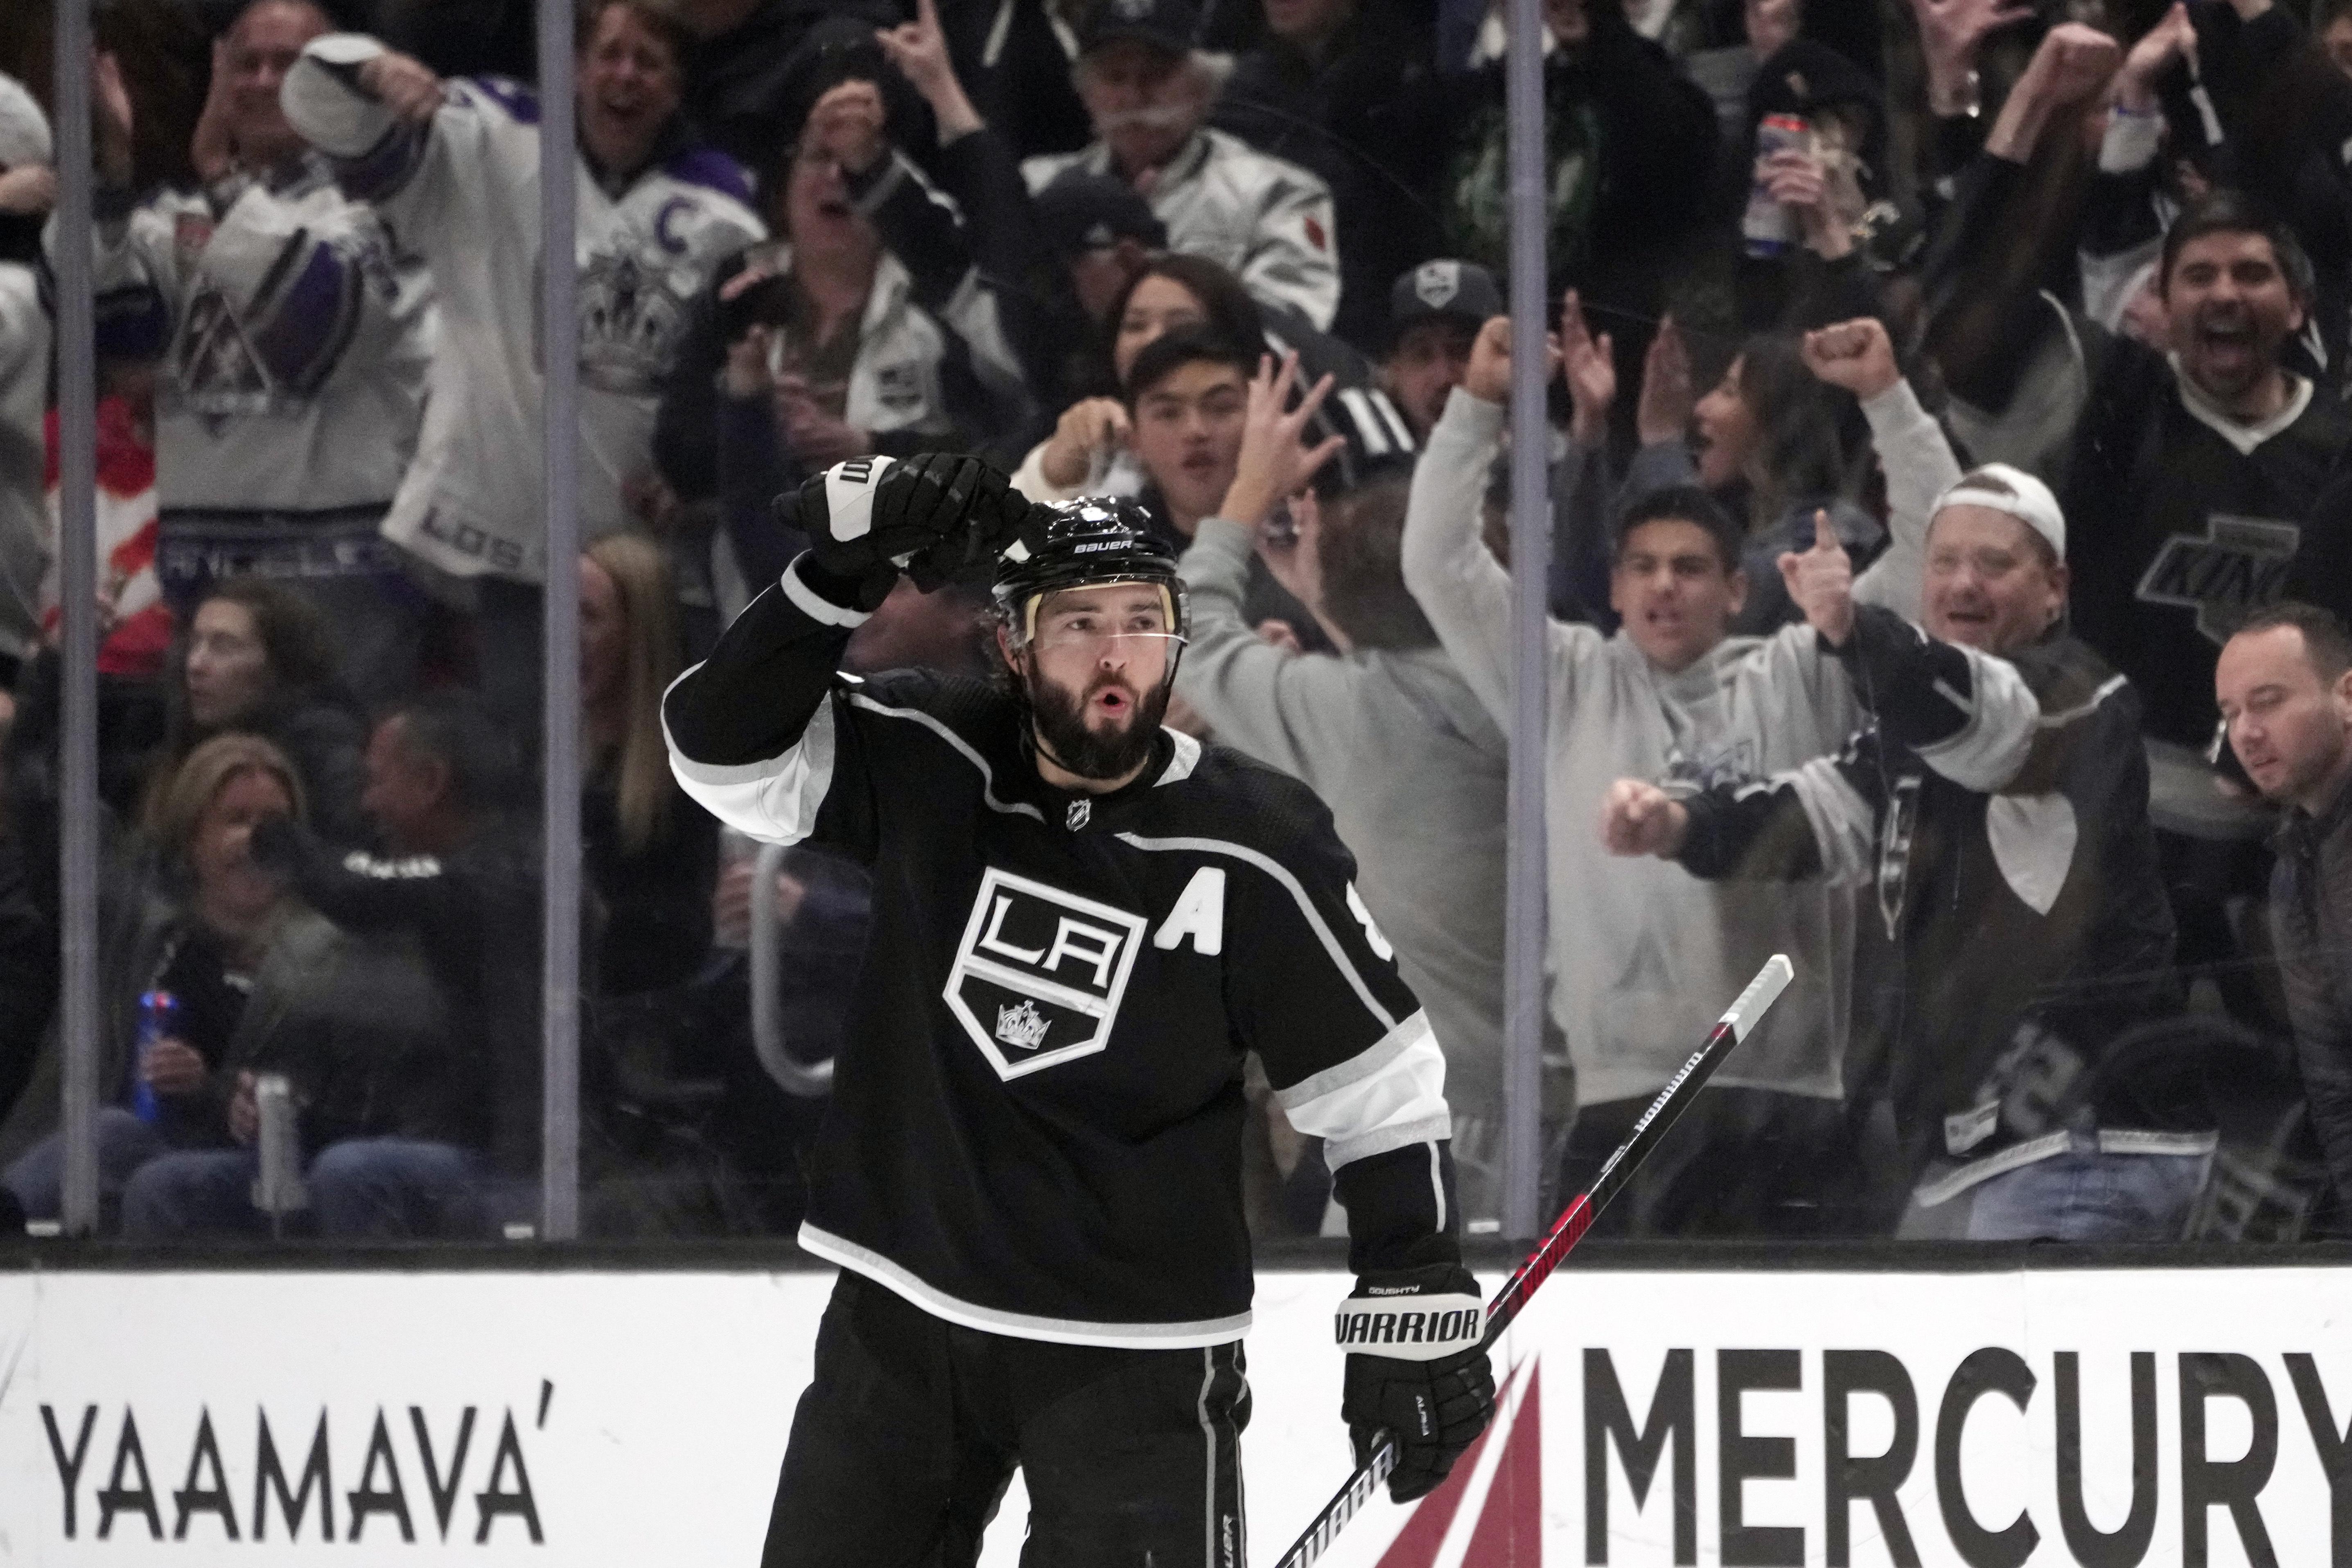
1427, 1383
939, 516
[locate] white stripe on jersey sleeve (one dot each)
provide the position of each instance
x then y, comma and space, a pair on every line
774, 801
1993, 744
1387, 1097
815, 606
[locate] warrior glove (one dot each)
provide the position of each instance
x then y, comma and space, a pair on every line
1415, 1372
940, 517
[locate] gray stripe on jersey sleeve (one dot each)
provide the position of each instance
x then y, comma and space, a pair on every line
774, 801
963, 749
1363, 1064
1399, 1100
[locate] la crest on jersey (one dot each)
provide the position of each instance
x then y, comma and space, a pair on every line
1039, 974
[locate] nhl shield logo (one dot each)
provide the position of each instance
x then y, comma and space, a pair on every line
1039, 973
1436, 283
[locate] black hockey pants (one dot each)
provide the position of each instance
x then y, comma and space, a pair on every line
910, 1433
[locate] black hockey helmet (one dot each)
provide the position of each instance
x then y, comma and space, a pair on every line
1073, 543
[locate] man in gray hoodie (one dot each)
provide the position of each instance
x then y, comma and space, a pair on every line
1642, 960
1385, 730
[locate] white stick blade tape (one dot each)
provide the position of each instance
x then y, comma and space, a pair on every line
1761, 993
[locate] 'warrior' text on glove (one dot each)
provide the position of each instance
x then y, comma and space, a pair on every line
1415, 1372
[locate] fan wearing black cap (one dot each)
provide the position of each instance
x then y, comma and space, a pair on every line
1434, 314
1147, 92
1029, 1172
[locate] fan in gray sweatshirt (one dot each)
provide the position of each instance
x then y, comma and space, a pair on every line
1412, 766
1644, 957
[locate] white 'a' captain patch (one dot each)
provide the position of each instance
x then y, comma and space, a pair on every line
1199, 916
1039, 973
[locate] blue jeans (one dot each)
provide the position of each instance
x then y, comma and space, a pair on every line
361, 1188
124, 1143
383, 1187
191, 1192
2086, 1196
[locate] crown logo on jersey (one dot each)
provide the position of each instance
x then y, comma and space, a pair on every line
219, 377
1022, 1028
630, 321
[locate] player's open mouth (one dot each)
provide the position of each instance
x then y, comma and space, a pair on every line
1113, 700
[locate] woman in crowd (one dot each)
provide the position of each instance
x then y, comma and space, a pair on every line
839, 339
385, 1114
1087, 452
1767, 440
208, 927
258, 660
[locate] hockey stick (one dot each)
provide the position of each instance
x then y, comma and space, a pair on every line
1735, 1025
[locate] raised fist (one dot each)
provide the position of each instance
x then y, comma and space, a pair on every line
1637, 817
939, 515
1856, 356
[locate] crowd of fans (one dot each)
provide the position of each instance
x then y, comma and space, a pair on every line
1951, 511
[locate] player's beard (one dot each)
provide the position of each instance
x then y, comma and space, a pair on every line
1060, 717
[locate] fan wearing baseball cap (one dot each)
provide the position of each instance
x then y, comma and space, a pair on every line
1434, 314
1148, 91
1103, 230
2008, 847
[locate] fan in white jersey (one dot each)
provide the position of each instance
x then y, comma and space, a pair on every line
454, 168
293, 343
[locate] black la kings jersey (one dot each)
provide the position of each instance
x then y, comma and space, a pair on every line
1035, 1125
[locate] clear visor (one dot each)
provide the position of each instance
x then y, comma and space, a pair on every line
1102, 643
1053, 630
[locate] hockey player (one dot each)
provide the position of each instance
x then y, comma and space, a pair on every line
1030, 1171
